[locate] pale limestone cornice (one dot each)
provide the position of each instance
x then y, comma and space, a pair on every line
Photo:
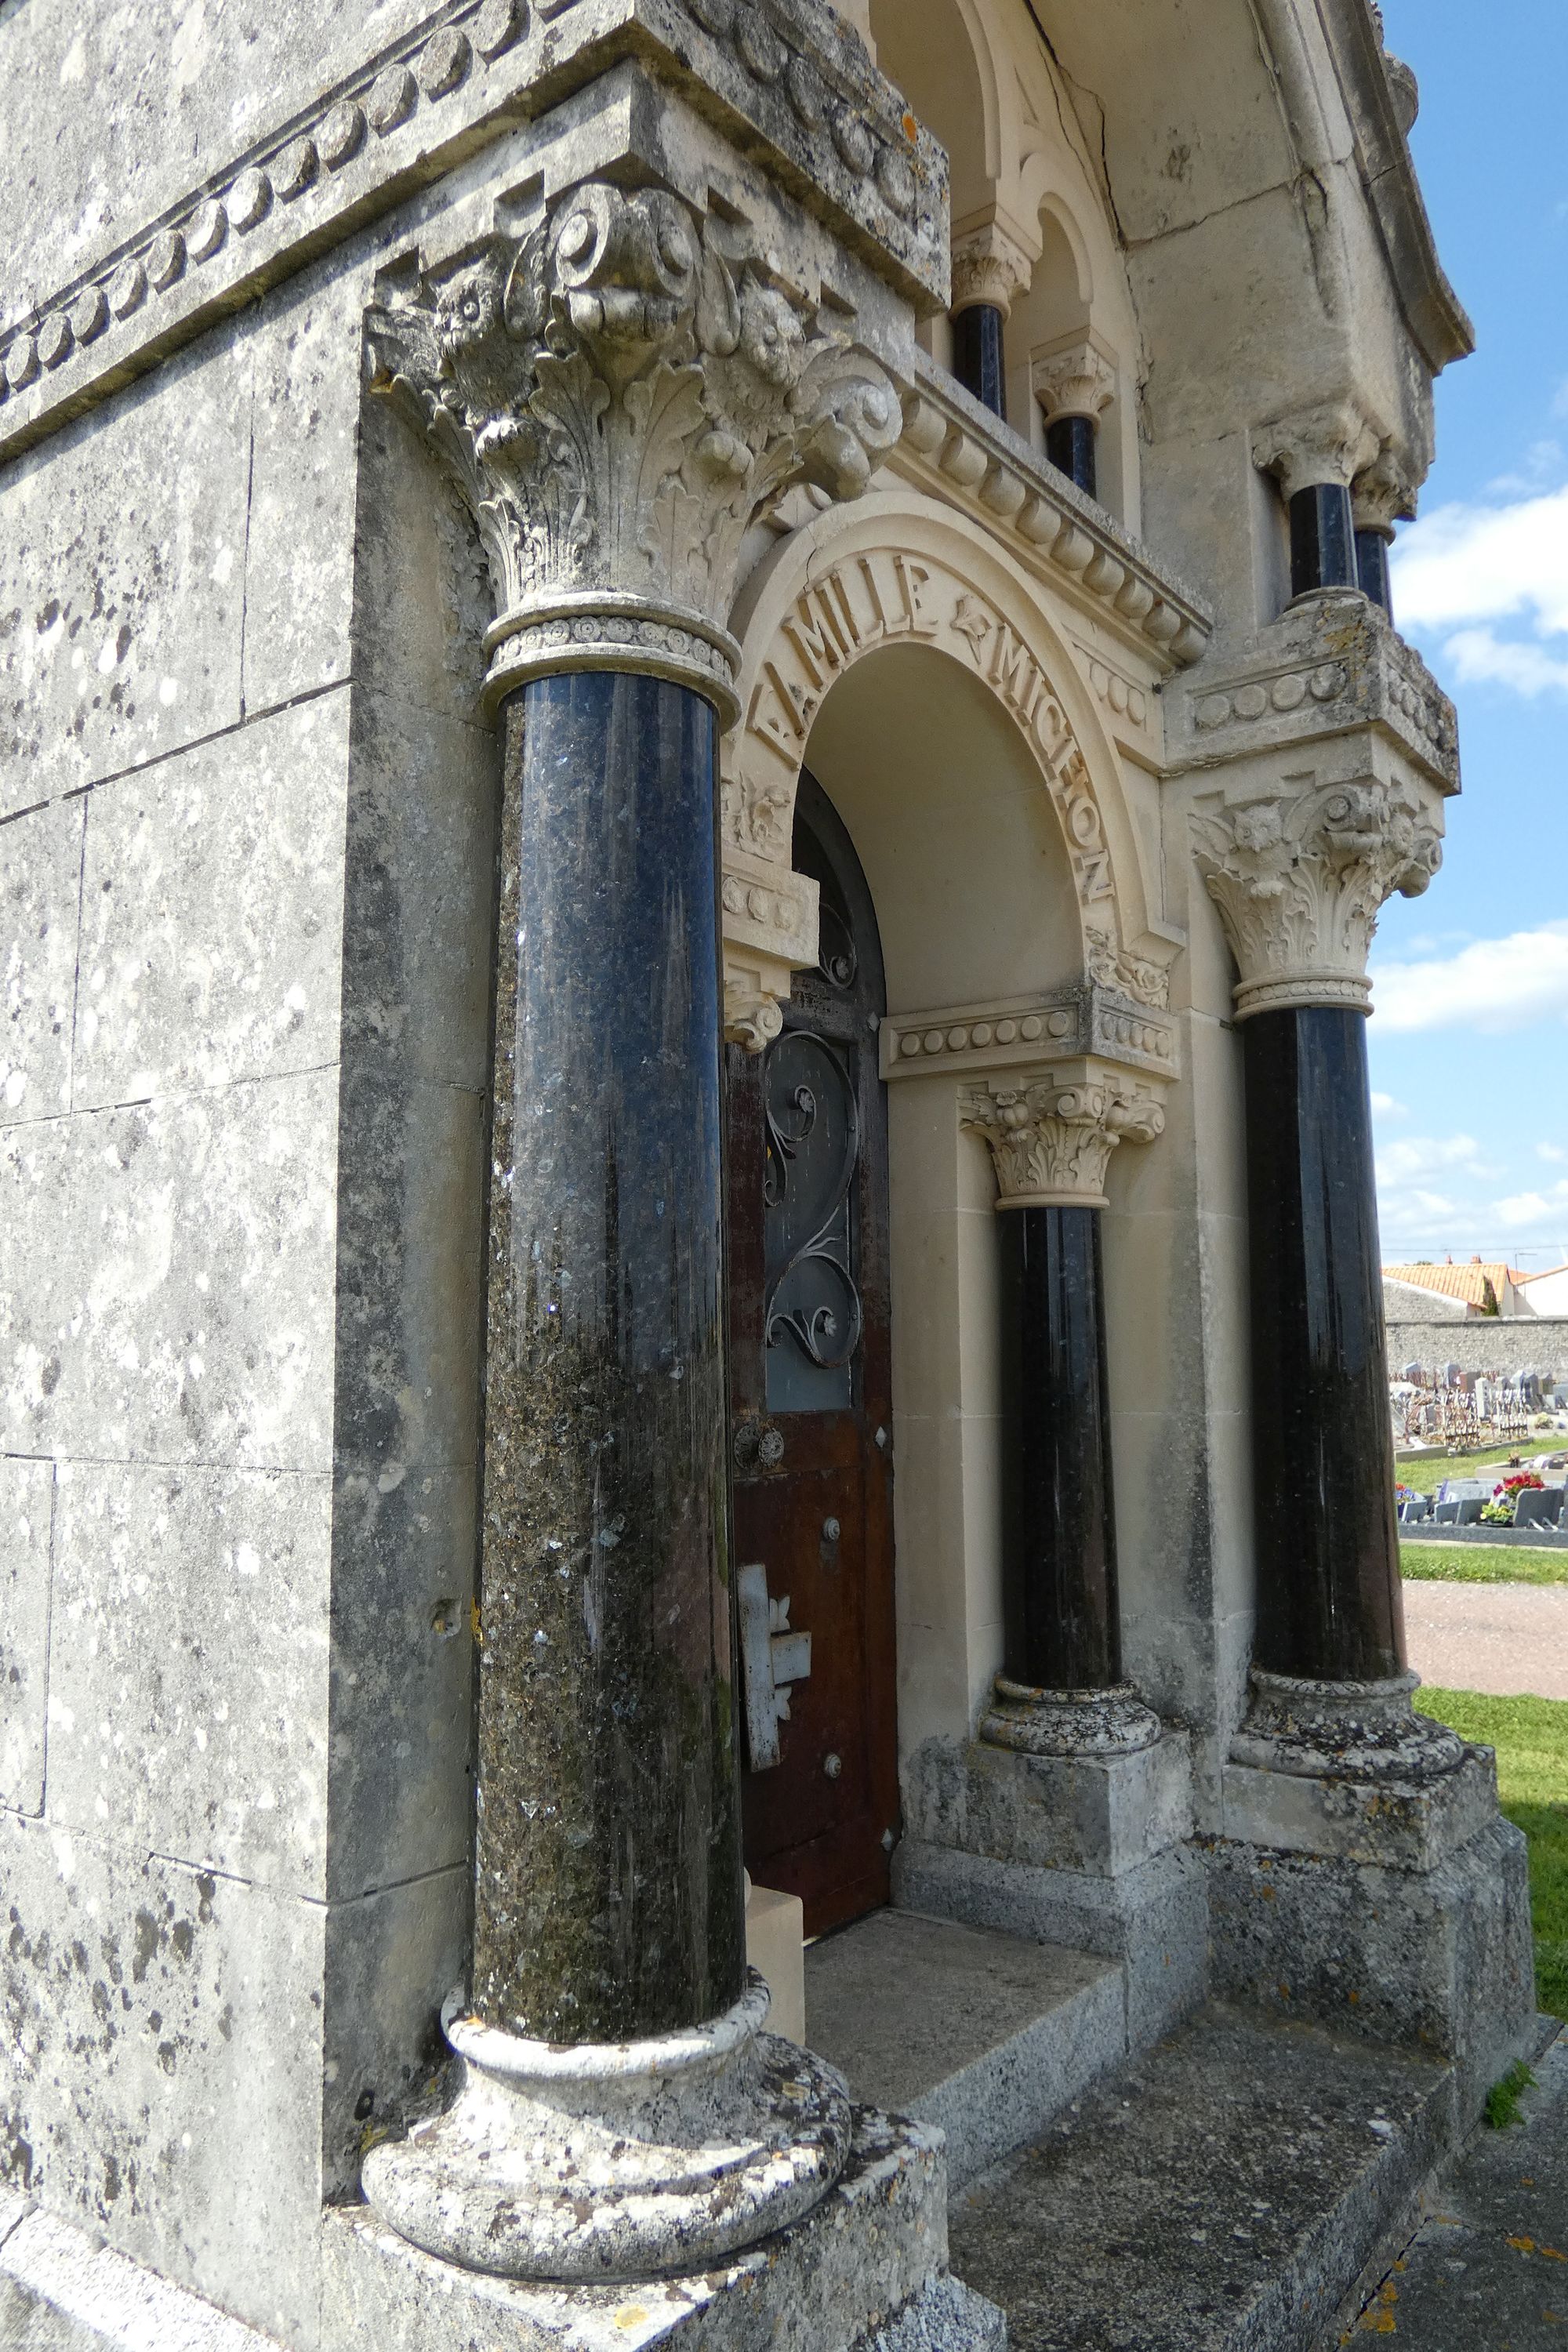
1064, 1026
1052, 1133
1332, 666
956, 448
791, 84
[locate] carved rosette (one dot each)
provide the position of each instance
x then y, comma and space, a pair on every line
619, 395
1299, 882
1051, 1144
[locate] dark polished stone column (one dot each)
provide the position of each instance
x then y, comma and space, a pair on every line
1372, 548
1323, 539
1329, 1605
978, 359
1069, 446
1061, 1692
1064, 1630
609, 1888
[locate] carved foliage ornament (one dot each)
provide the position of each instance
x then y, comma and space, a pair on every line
1299, 882
1051, 1144
619, 395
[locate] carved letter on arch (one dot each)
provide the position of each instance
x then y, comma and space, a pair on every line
862, 601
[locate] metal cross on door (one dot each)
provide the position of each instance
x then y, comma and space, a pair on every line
812, 1413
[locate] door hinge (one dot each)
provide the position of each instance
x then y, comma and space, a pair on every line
773, 1658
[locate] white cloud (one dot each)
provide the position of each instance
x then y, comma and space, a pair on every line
1550, 1151
1481, 659
1533, 1208
1464, 567
1439, 1194
1492, 984
1387, 1107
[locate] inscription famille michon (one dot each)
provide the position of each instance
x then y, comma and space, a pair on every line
881, 598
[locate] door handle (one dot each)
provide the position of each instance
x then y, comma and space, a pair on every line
773, 1659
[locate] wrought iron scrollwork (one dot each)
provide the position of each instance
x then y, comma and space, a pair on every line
813, 1132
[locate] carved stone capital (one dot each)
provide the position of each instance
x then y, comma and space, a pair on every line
1382, 494
989, 265
1051, 1144
1300, 878
1075, 382
1329, 443
619, 395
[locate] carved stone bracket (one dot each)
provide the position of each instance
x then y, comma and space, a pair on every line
618, 395
1022, 1033
1300, 878
1079, 382
989, 265
1050, 1143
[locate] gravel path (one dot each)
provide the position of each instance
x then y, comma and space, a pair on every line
1507, 1638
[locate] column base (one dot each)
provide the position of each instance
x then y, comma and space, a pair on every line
615, 2163
1089, 1852
1112, 1722
865, 2271
1366, 1731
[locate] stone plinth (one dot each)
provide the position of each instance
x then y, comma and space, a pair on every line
866, 2270
1084, 1851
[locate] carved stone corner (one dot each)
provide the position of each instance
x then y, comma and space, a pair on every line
618, 395
1300, 877
1051, 1141
769, 917
1330, 442
1078, 382
990, 265
1384, 493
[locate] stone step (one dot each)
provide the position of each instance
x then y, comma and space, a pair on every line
986, 2035
1227, 2192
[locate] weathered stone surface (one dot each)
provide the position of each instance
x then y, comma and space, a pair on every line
121, 579
391, 1958
1397, 1824
817, 2287
189, 1690
1441, 1957
27, 1507
196, 1320
60, 2291
40, 890
1152, 1918
163, 2064
983, 2036
1223, 2194
212, 912
1099, 1814
422, 599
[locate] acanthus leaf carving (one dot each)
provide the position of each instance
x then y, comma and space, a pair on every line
1051, 1144
1115, 968
619, 395
1300, 881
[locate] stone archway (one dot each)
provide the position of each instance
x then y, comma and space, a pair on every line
898, 569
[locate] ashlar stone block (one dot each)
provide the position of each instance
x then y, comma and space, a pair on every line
212, 911
26, 1507
189, 1693
194, 1321
40, 893
121, 580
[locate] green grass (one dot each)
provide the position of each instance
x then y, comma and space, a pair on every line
1429, 1470
1503, 2098
1458, 1563
1530, 1736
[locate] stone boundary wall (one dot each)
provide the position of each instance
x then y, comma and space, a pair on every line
1494, 1344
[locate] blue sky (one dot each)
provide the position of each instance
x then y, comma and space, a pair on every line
1469, 1052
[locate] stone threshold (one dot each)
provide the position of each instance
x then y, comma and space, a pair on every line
988, 2036
1231, 2190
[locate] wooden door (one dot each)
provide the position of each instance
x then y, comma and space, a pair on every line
811, 1406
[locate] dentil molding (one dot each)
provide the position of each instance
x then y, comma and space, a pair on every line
1300, 877
1050, 1143
618, 395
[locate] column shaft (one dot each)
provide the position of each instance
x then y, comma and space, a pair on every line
608, 1873
1063, 1630
1323, 539
1372, 568
1070, 448
977, 354
1329, 1601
